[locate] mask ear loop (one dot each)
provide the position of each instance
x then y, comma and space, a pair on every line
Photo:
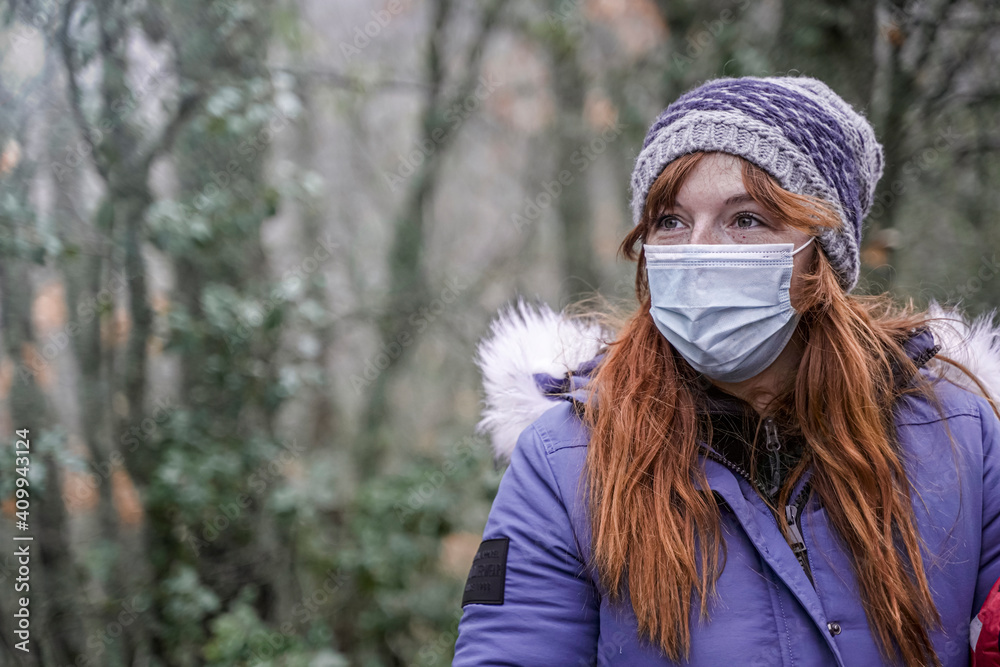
811, 239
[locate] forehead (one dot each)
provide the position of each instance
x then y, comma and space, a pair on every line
716, 176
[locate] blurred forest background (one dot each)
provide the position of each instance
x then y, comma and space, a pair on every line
247, 248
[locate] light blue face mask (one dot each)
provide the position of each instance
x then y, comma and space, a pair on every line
725, 308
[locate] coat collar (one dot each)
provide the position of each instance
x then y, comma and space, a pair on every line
920, 347
533, 357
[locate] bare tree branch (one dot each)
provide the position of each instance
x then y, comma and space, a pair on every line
347, 82
935, 22
66, 49
951, 69
185, 109
977, 147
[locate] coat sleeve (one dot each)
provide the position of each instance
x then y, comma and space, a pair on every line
989, 561
529, 599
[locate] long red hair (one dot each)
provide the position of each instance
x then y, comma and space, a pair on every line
651, 526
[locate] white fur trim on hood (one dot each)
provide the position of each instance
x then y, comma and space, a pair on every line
525, 340
974, 344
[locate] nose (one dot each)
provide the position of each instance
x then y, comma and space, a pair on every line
704, 232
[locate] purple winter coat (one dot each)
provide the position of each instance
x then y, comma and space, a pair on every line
530, 600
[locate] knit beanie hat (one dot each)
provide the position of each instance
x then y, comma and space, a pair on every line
796, 129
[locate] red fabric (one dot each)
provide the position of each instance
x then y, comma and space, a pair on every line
986, 652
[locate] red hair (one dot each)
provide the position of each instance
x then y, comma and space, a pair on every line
650, 521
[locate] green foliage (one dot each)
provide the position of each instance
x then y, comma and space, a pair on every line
400, 598
239, 638
261, 550
188, 603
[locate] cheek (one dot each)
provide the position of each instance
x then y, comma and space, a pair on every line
805, 260
801, 264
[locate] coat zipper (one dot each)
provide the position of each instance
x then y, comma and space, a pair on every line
793, 509
773, 445
792, 515
739, 470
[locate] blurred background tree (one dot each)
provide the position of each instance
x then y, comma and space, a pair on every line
247, 249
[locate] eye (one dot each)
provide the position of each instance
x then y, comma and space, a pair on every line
667, 222
747, 221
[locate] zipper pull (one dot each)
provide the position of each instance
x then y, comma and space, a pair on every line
795, 536
773, 445
795, 539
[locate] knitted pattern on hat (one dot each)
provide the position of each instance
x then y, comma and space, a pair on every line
796, 129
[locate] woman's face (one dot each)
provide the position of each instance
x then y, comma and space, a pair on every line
712, 206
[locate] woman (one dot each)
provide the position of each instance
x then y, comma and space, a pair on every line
758, 468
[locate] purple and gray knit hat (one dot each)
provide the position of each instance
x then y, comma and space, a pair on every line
795, 128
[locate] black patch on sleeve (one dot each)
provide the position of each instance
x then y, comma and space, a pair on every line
488, 573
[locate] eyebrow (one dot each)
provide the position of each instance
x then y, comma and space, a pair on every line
741, 198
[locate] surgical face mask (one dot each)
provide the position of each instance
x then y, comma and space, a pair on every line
725, 308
